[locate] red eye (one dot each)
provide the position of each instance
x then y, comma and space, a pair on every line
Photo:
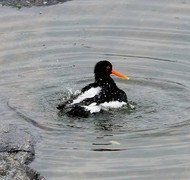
107, 67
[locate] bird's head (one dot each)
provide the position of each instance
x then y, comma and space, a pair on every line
104, 68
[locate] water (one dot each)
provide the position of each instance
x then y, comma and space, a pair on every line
47, 51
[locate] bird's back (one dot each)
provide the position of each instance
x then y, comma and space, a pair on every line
93, 98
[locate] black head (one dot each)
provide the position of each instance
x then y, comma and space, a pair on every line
102, 69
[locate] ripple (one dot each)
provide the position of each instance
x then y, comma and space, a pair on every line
42, 55
104, 150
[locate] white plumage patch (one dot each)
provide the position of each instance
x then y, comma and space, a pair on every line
87, 94
112, 105
94, 108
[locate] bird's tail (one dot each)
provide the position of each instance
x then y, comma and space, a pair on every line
74, 110
78, 111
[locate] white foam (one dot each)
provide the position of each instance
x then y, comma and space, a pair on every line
87, 94
70, 93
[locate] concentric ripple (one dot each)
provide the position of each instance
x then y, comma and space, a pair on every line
48, 53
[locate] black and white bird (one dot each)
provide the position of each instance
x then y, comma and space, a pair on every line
103, 94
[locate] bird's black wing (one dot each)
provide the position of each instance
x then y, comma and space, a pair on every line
107, 95
67, 103
89, 86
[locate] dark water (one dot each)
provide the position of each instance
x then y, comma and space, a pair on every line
47, 52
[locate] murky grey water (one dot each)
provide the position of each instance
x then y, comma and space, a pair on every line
44, 54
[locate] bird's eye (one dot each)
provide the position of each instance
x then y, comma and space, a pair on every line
107, 67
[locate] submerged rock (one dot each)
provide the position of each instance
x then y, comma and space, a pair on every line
16, 152
11, 169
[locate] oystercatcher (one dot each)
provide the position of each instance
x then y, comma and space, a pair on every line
100, 95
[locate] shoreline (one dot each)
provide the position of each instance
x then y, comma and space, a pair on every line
30, 3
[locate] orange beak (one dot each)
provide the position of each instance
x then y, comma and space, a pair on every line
119, 74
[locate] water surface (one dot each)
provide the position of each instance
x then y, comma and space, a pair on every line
46, 52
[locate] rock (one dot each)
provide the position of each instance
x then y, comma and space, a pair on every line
17, 144
29, 3
11, 169
16, 152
